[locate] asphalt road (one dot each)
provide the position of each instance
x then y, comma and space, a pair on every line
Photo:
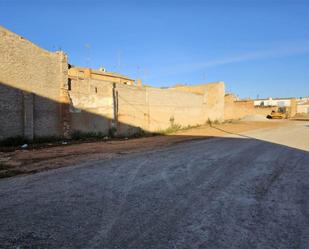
232, 192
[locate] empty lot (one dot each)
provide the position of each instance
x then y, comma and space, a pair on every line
249, 190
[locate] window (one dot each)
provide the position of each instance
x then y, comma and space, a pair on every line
69, 85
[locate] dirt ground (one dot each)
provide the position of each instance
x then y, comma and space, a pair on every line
24, 161
301, 116
232, 192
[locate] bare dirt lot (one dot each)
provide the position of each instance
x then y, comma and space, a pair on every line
249, 190
35, 160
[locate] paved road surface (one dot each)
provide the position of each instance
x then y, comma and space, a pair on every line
233, 192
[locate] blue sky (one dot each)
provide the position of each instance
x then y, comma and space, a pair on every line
255, 47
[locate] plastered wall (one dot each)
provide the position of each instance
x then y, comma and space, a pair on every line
157, 109
213, 98
154, 109
91, 105
131, 108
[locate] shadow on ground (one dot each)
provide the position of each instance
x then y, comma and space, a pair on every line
206, 193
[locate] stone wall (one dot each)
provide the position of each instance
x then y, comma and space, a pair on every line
31, 80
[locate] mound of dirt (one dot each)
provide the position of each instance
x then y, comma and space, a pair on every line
256, 117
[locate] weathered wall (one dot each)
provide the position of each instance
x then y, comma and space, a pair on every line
236, 109
93, 103
132, 109
213, 98
87, 73
156, 109
167, 107
30, 83
40, 97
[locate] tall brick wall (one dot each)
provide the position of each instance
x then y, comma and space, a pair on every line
11, 112
31, 80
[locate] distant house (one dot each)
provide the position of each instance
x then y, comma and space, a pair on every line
278, 102
285, 105
101, 74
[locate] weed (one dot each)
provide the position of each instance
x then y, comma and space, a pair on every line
173, 128
209, 122
213, 122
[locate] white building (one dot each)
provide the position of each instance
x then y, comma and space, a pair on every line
280, 102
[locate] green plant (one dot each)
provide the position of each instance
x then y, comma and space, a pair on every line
173, 128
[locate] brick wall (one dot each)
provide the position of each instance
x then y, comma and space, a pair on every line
31, 80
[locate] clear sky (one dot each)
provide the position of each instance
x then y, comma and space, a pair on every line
256, 47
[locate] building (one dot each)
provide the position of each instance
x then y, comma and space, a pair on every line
279, 102
284, 105
101, 74
41, 95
